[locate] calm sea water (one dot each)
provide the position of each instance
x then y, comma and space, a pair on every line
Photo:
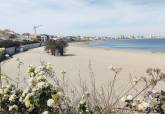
152, 45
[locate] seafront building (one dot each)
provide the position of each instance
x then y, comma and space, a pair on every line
11, 35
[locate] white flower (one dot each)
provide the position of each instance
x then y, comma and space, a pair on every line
1, 91
45, 112
31, 69
142, 106
12, 97
3, 86
50, 103
153, 91
25, 92
60, 94
27, 101
111, 67
41, 73
10, 108
9, 86
40, 78
32, 74
42, 85
123, 99
31, 108
6, 90
36, 71
82, 101
134, 104
129, 97
145, 104
163, 106
13, 107
87, 110
20, 99
32, 81
49, 66
34, 89
6, 96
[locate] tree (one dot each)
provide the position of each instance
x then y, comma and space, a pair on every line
56, 46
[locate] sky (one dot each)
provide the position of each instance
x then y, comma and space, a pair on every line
84, 17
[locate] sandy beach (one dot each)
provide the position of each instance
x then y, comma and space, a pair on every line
77, 59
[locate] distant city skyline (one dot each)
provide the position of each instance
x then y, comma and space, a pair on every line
84, 17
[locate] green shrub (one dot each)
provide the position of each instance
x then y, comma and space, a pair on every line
11, 43
25, 42
8, 43
56, 46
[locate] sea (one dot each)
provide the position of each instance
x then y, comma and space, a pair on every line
151, 45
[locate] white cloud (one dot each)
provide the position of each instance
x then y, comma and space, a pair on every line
83, 16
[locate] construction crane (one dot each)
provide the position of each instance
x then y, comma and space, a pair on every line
35, 28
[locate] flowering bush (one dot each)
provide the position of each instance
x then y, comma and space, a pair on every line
42, 97
151, 101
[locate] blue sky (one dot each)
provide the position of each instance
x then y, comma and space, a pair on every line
84, 17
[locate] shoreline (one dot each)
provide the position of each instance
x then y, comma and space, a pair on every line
84, 44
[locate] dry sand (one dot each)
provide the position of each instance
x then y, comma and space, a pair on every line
77, 61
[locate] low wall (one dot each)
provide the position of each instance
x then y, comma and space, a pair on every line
43, 43
13, 50
1, 56
10, 51
30, 46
